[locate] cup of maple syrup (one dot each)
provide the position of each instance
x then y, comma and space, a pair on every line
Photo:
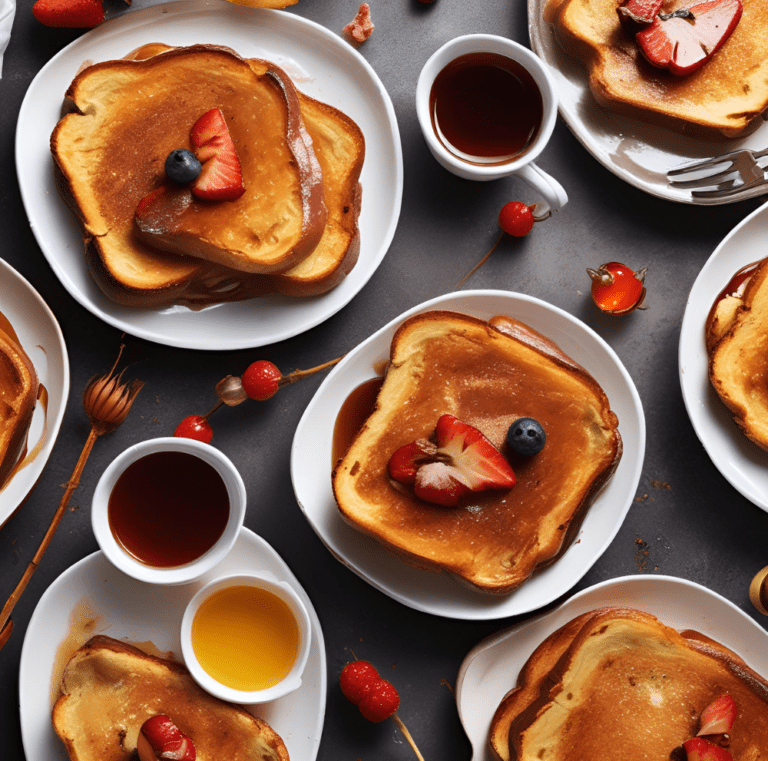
487, 107
167, 510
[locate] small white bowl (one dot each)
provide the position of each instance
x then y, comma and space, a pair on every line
281, 590
194, 570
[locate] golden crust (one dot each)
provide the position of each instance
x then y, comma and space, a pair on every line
620, 679
18, 395
110, 688
724, 97
487, 375
738, 359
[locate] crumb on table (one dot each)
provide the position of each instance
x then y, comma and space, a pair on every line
361, 27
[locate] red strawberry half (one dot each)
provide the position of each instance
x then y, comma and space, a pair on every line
699, 749
74, 14
685, 40
221, 178
461, 460
718, 717
637, 14
161, 740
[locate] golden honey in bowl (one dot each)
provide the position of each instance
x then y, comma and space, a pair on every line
245, 638
168, 508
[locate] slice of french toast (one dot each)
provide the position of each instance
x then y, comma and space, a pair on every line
109, 688
619, 683
139, 275
738, 355
486, 374
18, 395
724, 97
130, 114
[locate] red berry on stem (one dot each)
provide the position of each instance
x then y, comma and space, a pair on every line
194, 427
516, 219
357, 680
616, 289
261, 380
380, 703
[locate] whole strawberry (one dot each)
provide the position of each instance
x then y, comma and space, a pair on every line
75, 14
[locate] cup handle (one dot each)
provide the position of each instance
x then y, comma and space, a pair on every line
554, 194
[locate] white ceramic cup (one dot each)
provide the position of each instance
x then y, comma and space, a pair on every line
184, 574
282, 590
522, 165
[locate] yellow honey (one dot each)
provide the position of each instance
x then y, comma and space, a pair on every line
245, 638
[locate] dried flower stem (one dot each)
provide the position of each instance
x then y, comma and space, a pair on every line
297, 375
107, 403
407, 735
481, 262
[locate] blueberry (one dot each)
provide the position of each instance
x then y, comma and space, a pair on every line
526, 436
182, 166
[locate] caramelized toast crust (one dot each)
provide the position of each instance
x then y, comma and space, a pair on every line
619, 683
110, 688
18, 395
724, 97
130, 114
135, 273
738, 358
487, 374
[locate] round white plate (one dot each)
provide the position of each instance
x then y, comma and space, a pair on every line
41, 338
438, 593
744, 464
321, 65
639, 153
131, 610
491, 668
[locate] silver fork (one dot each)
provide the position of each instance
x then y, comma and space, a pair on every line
735, 173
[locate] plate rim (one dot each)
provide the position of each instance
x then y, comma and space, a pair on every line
183, 336
493, 609
689, 368
498, 639
247, 536
53, 423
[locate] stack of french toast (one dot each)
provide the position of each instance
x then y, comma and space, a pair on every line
293, 231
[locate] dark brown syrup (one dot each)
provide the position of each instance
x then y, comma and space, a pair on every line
356, 409
168, 508
485, 108
732, 288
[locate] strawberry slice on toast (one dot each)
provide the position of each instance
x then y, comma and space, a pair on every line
221, 178
461, 460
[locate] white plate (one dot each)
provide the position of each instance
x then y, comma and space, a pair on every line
131, 610
639, 153
491, 668
321, 64
438, 593
41, 338
744, 464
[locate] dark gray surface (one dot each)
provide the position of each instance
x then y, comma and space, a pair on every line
700, 528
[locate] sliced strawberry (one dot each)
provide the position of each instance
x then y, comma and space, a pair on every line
161, 740
637, 14
463, 460
699, 749
405, 461
75, 14
685, 40
221, 178
718, 717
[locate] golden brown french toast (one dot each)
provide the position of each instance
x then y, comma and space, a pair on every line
136, 274
110, 688
618, 683
18, 395
486, 374
130, 114
738, 354
724, 97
